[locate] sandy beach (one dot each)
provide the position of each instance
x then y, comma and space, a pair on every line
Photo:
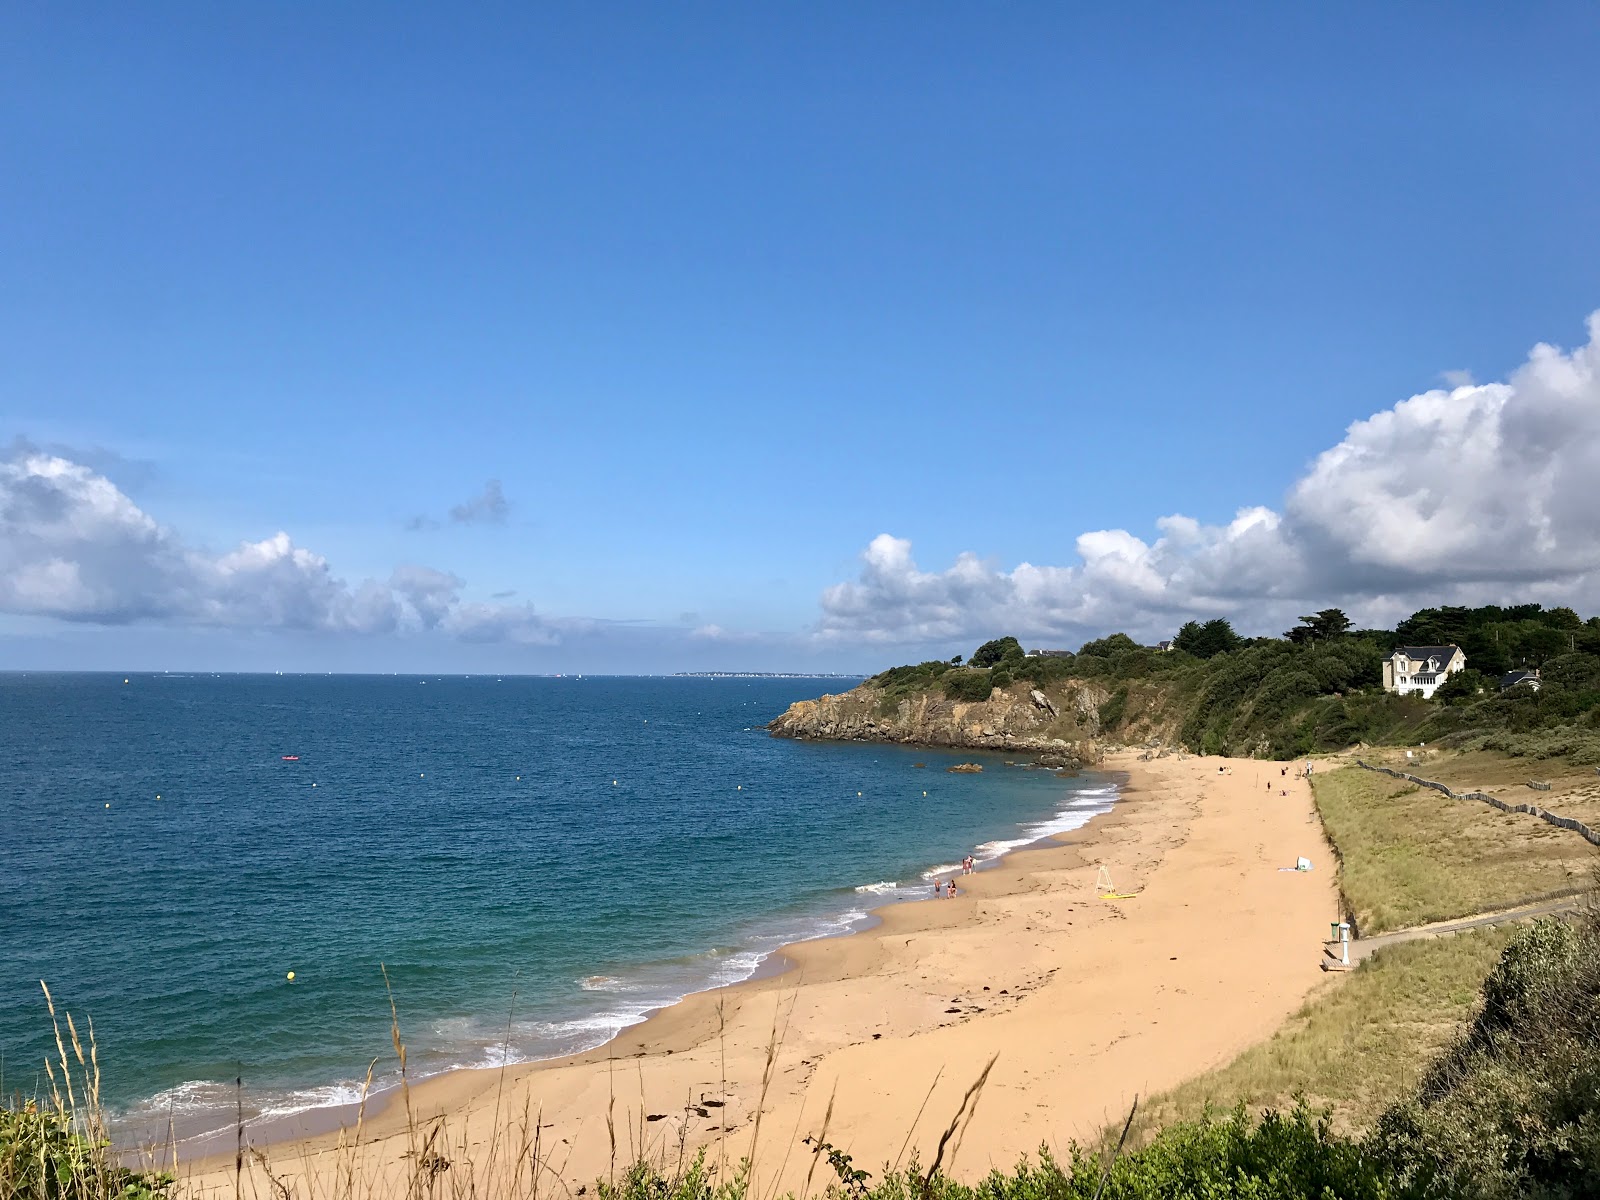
1082, 1002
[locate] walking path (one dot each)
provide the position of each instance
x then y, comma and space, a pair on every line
1364, 947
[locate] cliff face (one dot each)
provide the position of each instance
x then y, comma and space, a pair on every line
1061, 725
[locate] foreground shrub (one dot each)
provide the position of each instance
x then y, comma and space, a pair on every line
1280, 1156
1513, 1109
43, 1158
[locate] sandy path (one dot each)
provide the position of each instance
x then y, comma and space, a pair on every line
1085, 1001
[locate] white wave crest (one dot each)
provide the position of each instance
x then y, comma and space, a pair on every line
329, 1095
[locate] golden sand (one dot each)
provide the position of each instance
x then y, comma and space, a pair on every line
1082, 1002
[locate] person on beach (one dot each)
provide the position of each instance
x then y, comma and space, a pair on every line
938, 887
952, 892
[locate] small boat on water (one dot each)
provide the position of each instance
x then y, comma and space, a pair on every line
291, 758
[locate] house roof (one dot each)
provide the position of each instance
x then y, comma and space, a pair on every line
1512, 678
1443, 653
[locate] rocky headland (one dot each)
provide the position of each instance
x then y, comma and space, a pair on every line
1060, 727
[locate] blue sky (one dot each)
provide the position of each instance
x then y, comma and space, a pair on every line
718, 295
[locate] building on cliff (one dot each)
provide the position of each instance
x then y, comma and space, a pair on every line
1523, 678
1421, 669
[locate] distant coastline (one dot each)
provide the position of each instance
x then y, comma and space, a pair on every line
762, 675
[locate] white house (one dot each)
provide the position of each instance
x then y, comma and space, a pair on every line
1421, 668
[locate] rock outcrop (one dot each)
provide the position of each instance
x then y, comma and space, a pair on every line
1059, 730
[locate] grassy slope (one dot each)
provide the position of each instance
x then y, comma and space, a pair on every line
1411, 855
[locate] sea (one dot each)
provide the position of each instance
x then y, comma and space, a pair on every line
524, 865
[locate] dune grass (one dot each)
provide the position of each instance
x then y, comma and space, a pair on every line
1411, 856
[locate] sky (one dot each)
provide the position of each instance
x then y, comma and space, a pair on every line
620, 338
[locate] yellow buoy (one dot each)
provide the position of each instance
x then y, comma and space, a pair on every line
858, 793
108, 806
158, 795
290, 977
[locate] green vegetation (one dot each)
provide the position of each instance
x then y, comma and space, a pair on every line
992, 654
1411, 855
43, 1156
1319, 687
1208, 640
1513, 1109
969, 685
1497, 639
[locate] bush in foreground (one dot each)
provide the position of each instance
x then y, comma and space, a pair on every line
43, 1157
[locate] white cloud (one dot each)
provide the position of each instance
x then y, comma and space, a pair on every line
73, 546
518, 624
1472, 493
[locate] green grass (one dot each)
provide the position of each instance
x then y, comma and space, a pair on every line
1362, 1043
1410, 855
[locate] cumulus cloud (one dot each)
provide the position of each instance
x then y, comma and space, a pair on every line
74, 546
1473, 492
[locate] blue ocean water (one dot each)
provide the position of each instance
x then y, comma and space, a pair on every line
537, 862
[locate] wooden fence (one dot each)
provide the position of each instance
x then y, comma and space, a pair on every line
1577, 827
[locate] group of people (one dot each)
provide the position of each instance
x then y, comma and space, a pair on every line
947, 888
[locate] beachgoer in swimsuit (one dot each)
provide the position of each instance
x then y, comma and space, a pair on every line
951, 893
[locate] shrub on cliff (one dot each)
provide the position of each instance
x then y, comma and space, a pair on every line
1207, 641
993, 652
969, 686
1107, 646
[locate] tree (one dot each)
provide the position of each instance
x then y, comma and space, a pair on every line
1207, 641
1562, 618
1188, 639
991, 652
955, 661
1324, 626
1107, 646
1461, 688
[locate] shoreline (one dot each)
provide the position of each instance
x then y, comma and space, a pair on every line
1077, 994
265, 1132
